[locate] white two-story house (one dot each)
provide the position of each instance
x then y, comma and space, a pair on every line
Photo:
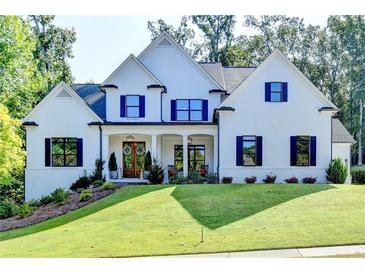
233, 121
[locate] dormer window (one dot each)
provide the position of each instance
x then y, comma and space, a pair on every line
276, 92
189, 110
132, 106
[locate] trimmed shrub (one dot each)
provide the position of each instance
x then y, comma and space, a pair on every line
7, 208
211, 178
337, 172
177, 180
270, 179
97, 183
25, 210
156, 174
309, 180
98, 172
358, 176
292, 180
46, 199
227, 180
250, 180
109, 186
60, 195
82, 182
85, 195
112, 162
147, 161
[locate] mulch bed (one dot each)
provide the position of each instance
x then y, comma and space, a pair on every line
52, 210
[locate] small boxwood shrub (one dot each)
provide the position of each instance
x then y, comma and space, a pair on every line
270, 179
292, 180
108, 186
46, 199
211, 178
8, 209
309, 180
358, 176
60, 195
250, 180
177, 180
97, 183
82, 182
337, 172
85, 195
25, 210
227, 180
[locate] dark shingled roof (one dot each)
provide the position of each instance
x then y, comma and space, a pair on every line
340, 133
228, 77
93, 96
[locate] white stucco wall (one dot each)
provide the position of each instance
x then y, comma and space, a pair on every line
182, 79
343, 151
276, 122
61, 117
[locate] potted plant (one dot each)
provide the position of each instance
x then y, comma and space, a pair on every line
147, 165
113, 168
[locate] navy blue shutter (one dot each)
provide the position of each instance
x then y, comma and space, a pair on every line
47, 152
205, 110
259, 150
141, 106
239, 151
173, 110
267, 92
313, 150
79, 152
122, 105
285, 92
293, 150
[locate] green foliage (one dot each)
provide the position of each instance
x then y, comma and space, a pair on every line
109, 186
98, 172
13, 191
25, 210
97, 183
82, 182
358, 176
11, 151
113, 162
337, 172
177, 180
85, 195
147, 161
156, 174
46, 199
60, 195
8, 208
212, 178
227, 180
194, 178
270, 179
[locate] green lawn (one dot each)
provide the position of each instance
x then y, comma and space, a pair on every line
156, 220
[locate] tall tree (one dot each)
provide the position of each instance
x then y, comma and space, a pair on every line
20, 80
218, 33
54, 47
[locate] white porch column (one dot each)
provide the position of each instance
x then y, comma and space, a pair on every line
154, 146
105, 155
215, 153
185, 155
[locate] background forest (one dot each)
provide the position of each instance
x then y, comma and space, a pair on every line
35, 52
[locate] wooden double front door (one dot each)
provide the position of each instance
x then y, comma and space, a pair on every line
133, 159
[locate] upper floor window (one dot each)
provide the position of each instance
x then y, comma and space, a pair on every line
189, 110
276, 92
132, 106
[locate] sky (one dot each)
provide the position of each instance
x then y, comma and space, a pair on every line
104, 42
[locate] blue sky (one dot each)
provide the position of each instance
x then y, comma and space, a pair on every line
103, 42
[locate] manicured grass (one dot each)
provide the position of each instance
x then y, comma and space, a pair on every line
157, 220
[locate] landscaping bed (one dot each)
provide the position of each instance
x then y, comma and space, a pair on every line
53, 209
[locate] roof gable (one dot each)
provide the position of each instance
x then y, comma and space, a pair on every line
61, 89
166, 40
251, 77
340, 133
125, 63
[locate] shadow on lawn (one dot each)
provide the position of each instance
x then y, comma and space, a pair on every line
118, 197
220, 205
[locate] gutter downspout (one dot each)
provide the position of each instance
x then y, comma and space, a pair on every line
218, 146
163, 91
100, 143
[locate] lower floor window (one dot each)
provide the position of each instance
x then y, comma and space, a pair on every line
196, 157
64, 152
249, 150
302, 150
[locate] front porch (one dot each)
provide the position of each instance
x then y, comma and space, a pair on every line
177, 151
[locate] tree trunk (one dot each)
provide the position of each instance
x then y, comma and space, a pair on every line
359, 162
